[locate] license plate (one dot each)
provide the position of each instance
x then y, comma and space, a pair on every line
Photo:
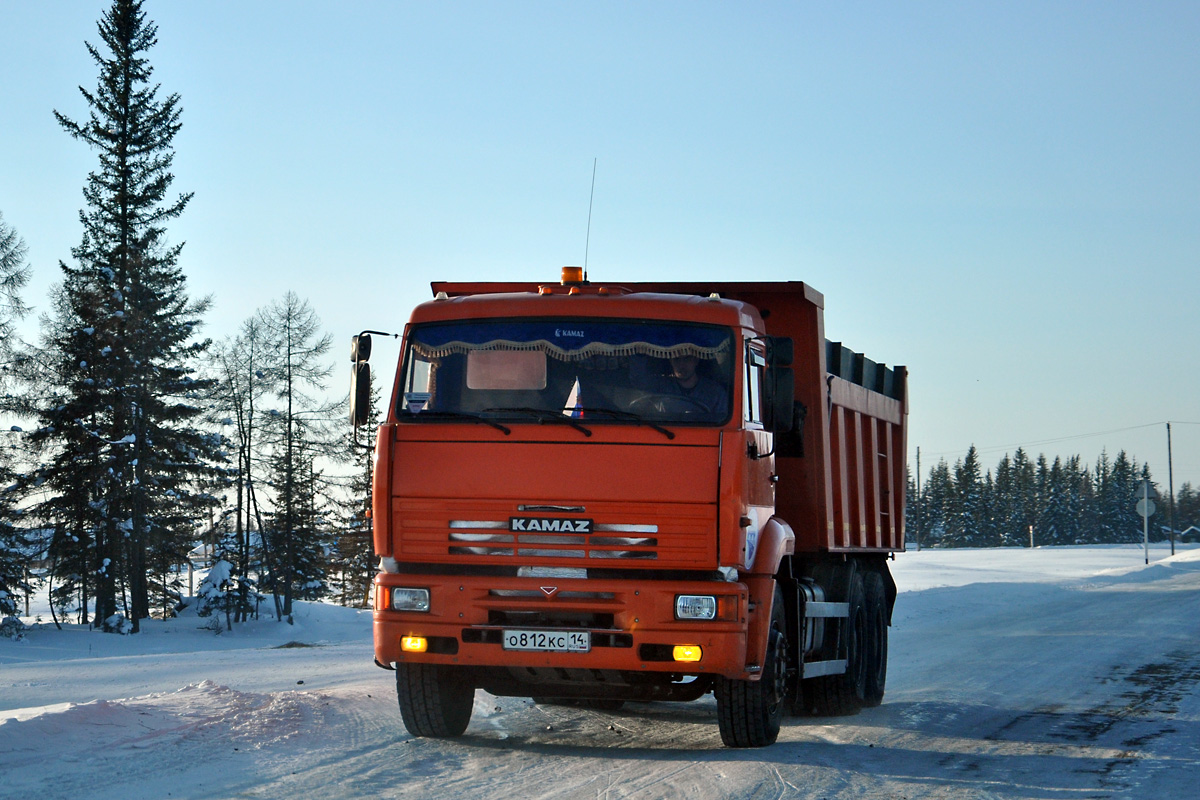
548, 641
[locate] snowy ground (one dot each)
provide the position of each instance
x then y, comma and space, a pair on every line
1054, 673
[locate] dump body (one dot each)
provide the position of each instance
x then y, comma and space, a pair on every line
563, 507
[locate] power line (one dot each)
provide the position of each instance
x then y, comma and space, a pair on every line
1060, 439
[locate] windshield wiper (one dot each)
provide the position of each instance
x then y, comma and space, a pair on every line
462, 415
629, 415
542, 415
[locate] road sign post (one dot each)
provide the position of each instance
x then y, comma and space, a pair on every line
1145, 507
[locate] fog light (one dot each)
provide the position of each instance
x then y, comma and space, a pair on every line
414, 644
687, 652
695, 606
410, 599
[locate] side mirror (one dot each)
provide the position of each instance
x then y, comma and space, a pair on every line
360, 394
779, 411
360, 347
781, 350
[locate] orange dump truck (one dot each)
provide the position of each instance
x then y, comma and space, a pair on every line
599, 493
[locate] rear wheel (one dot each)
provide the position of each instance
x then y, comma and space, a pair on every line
435, 700
877, 638
749, 712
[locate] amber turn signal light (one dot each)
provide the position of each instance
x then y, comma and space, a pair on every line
687, 652
414, 644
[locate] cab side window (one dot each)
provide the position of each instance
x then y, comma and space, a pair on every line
756, 362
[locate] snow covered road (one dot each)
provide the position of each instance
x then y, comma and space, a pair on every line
1052, 673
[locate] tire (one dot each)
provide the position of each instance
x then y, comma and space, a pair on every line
749, 712
844, 695
877, 639
435, 701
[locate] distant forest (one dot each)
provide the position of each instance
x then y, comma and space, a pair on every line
1064, 502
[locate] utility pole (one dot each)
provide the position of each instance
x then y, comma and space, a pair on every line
1171, 487
920, 505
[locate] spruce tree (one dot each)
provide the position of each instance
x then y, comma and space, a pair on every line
1024, 514
964, 524
1187, 507
914, 511
121, 409
1054, 525
14, 274
1121, 500
14, 541
937, 492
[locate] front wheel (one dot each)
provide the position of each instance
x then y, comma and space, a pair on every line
749, 712
435, 700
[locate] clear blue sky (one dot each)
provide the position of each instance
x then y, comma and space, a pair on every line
1005, 197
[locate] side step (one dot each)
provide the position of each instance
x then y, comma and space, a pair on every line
826, 610
819, 609
815, 669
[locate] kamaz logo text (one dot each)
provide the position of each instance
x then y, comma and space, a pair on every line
575, 334
549, 525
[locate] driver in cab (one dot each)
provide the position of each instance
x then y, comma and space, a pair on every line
686, 379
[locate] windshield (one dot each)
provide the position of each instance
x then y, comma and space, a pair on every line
601, 370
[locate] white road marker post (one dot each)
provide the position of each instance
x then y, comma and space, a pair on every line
1145, 507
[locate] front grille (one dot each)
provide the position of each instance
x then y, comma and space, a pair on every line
613, 537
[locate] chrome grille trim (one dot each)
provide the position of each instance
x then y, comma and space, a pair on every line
537, 594
569, 539
623, 541
618, 528
482, 551
536, 553
481, 537
603, 527
476, 542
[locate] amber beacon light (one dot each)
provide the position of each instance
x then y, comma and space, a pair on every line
572, 275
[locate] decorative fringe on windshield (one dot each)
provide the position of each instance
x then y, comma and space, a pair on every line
590, 350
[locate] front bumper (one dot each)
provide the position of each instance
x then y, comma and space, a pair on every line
631, 623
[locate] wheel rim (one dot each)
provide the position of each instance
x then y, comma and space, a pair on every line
779, 665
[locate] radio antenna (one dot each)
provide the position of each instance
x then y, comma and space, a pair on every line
588, 241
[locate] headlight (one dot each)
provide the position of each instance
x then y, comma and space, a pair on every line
695, 606
410, 599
